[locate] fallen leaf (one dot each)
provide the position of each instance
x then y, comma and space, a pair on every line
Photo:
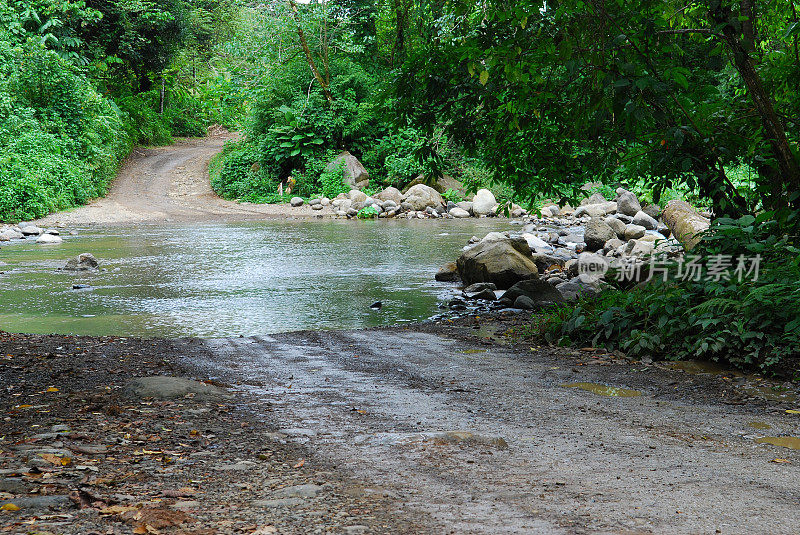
793, 411
9, 507
781, 461
300, 464
55, 459
52, 389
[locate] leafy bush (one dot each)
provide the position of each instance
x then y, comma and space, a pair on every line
332, 182
748, 323
452, 195
369, 212
60, 141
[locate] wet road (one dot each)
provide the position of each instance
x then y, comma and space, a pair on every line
476, 438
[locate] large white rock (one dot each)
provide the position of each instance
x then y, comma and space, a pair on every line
421, 197
484, 203
459, 213
47, 239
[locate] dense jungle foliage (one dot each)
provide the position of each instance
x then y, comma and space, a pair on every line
82, 81
533, 99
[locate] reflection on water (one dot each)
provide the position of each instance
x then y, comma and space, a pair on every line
234, 279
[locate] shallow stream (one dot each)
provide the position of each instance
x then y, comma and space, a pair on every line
221, 280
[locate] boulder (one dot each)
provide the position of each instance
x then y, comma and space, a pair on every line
355, 174
357, 196
10, 234
596, 198
574, 288
459, 213
503, 262
653, 210
613, 245
82, 262
31, 230
481, 290
597, 233
442, 184
296, 202
537, 290
634, 232
448, 273
643, 248
596, 210
390, 194
48, 239
164, 387
644, 220
421, 197
544, 261
628, 204
617, 225
685, 223
535, 242
484, 203
466, 205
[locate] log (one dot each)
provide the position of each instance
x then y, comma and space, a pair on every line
685, 223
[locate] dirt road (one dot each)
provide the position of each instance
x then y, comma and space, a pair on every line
170, 184
487, 439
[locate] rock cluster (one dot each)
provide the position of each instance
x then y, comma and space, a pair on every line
539, 264
29, 231
419, 202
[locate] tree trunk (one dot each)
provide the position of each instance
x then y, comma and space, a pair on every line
685, 223
324, 84
787, 164
161, 96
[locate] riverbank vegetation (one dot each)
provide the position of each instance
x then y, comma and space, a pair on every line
535, 100
83, 81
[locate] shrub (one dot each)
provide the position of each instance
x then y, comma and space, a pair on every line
332, 182
60, 141
369, 212
748, 323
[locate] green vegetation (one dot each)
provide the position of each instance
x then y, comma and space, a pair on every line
368, 212
83, 81
749, 322
532, 99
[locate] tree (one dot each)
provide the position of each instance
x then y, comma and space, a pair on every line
558, 94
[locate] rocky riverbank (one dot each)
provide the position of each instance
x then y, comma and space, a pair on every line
418, 202
567, 252
29, 231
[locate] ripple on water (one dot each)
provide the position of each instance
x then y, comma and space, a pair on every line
605, 390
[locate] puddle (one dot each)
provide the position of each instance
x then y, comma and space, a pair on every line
605, 390
698, 367
769, 393
759, 425
784, 442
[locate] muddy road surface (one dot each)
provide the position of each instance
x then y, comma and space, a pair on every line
470, 436
170, 184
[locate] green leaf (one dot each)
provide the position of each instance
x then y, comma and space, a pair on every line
484, 77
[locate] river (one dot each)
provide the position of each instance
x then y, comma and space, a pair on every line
222, 280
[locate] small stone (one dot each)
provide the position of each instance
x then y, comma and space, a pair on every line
299, 491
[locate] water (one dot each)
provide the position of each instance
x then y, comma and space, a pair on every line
221, 280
